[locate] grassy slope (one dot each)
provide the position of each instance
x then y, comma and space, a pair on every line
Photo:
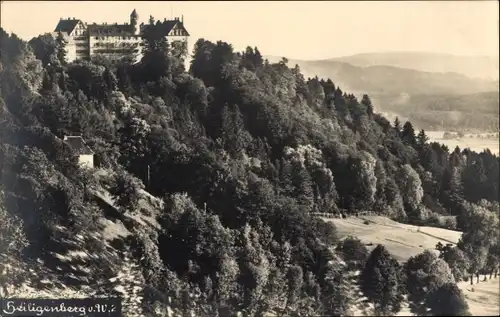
483, 298
404, 241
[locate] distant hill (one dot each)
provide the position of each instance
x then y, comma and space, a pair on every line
485, 67
472, 112
431, 100
384, 79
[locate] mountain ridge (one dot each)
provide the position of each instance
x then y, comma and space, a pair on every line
475, 67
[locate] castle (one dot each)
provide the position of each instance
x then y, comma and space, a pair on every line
113, 42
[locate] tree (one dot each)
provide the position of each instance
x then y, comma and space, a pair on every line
335, 298
126, 188
45, 49
301, 180
12, 236
447, 300
236, 138
155, 53
353, 251
366, 101
382, 282
422, 139
456, 259
425, 272
493, 259
479, 234
61, 48
408, 134
397, 126
295, 280
410, 185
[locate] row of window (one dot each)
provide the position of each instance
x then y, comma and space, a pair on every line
116, 51
102, 38
117, 44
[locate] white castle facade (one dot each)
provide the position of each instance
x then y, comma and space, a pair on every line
113, 41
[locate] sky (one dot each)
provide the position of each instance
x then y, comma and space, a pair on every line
296, 29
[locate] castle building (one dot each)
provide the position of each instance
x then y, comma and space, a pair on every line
113, 41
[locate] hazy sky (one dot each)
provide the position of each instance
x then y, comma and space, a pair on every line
302, 30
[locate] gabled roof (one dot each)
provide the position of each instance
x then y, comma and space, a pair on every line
166, 26
66, 25
78, 145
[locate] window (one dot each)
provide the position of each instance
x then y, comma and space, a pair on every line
97, 37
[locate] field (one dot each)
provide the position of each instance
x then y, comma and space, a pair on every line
404, 241
469, 141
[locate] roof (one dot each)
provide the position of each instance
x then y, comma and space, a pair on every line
167, 25
110, 29
66, 25
78, 145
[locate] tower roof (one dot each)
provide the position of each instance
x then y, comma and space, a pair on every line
134, 14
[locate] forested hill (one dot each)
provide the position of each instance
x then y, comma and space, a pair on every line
241, 152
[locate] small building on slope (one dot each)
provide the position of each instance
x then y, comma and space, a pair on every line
84, 152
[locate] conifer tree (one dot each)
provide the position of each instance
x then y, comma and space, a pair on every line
382, 282
408, 134
366, 101
61, 48
397, 126
422, 139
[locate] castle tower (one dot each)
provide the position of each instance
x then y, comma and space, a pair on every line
134, 17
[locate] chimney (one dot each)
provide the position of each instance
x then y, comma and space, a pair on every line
182, 18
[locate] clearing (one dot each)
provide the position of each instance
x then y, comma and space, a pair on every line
402, 240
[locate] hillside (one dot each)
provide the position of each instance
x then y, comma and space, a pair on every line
448, 101
478, 111
208, 182
484, 67
387, 79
